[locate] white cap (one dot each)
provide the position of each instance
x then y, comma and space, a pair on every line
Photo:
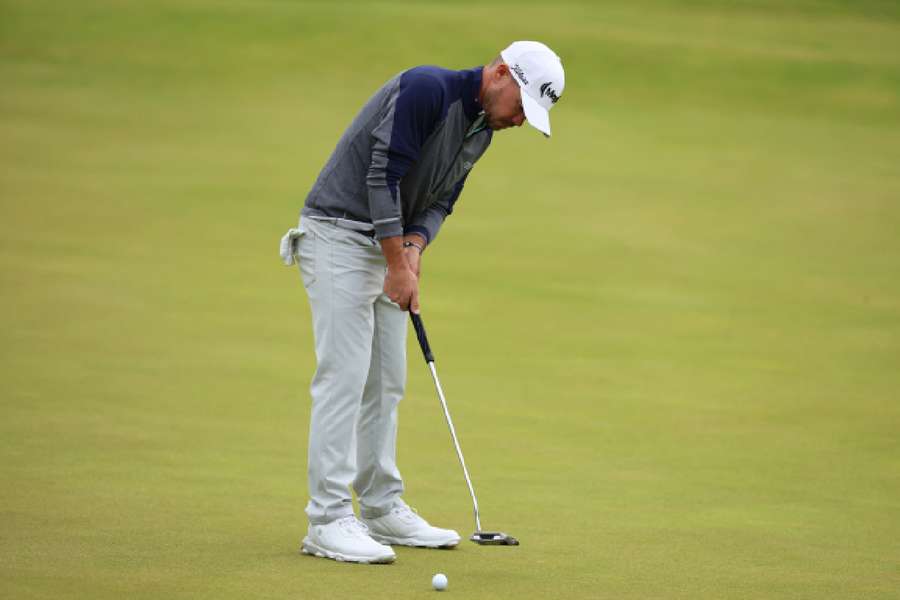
539, 73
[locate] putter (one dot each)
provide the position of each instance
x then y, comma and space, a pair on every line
484, 538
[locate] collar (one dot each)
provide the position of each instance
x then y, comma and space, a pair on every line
470, 87
478, 125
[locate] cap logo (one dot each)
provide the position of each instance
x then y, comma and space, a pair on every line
550, 92
520, 73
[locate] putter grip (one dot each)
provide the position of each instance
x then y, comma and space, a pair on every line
423, 339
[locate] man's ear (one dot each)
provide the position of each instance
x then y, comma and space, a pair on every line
501, 70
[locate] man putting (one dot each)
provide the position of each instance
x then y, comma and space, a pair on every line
376, 206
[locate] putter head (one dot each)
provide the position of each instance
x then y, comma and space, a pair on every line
493, 538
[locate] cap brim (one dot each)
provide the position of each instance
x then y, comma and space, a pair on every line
537, 115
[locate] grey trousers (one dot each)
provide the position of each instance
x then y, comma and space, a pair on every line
360, 340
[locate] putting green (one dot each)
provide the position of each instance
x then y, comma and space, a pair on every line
669, 336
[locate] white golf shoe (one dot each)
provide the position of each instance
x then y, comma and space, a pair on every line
403, 527
346, 540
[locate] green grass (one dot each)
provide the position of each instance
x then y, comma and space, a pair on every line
670, 336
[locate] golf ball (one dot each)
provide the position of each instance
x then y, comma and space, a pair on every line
439, 582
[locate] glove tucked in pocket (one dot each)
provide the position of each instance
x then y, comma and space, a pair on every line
288, 248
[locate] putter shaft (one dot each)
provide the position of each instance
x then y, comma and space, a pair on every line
459, 454
479, 537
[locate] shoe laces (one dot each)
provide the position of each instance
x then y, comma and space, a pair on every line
353, 526
408, 514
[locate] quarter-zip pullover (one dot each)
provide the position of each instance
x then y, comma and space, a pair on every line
401, 164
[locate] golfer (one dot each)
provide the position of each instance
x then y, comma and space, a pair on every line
374, 209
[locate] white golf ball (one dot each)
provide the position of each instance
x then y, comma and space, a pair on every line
439, 582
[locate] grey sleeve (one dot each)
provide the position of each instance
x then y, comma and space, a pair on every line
384, 199
413, 110
428, 222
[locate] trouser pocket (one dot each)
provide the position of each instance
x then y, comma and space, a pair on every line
307, 249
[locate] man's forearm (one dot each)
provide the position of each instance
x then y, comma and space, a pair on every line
401, 280
392, 248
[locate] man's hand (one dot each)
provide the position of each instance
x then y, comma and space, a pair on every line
401, 284
402, 287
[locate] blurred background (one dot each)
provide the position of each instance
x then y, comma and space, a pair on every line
669, 335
